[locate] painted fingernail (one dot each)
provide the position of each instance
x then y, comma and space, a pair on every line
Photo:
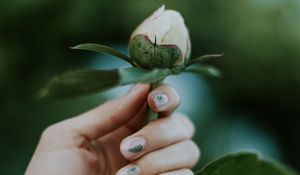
133, 170
133, 146
160, 100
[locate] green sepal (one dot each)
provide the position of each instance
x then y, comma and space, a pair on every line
203, 58
104, 50
205, 70
243, 163
152, 55
137, 75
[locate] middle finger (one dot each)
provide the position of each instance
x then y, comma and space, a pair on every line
158, 134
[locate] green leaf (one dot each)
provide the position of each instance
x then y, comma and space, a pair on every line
243, 164
103, 49
137, 75
204, 58
80, 82
206, 70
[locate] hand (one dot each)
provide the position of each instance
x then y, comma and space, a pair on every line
112, 139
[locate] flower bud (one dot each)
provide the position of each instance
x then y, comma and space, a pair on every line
161, 41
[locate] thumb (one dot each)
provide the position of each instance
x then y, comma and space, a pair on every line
103, 119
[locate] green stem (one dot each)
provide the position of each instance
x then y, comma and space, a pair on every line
152, 116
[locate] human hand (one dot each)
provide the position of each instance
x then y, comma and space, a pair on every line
113, 135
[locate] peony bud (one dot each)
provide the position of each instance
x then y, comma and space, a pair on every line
161, 41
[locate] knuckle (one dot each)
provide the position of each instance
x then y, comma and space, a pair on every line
52, 132
58, 135
145, 165
49, 132
194, 152
188, 123
149, 166
185, 124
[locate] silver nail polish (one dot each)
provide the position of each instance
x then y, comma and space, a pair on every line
136, 149
133, 171
133, 146
160, 100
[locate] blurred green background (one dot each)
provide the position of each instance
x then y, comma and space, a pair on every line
255, 106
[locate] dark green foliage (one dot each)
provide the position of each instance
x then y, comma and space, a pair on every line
103, 49
80, 82
83, 82
243, 164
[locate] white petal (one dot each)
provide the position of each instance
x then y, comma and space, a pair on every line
188, 47
157, 13
157, 25
178, 34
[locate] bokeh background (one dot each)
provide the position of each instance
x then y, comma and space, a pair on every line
255, 106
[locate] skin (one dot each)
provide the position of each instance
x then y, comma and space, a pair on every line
93, 142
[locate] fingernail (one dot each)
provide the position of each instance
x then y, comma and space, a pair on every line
160, 100
132, 170
133, 146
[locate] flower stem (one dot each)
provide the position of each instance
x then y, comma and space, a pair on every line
152, 116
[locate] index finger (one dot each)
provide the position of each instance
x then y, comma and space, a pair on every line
103, 119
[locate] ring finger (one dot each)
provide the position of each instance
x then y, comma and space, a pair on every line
181, 155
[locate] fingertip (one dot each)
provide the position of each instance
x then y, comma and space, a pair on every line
164, 98
187, 122
132, 147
